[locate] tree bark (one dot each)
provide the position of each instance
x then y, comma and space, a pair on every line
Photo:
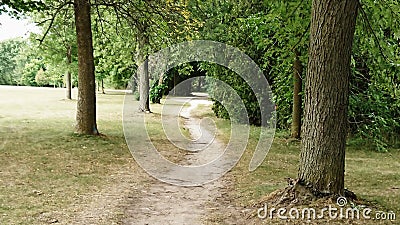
86, 106
297, 86
175, 83
200, 83
102, 86
68, 82
144, 85
324, 131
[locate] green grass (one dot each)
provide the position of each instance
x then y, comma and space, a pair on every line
372, 176
47, 169
48, 172
44, 166
158, 138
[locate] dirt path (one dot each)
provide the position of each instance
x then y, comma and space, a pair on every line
163, 203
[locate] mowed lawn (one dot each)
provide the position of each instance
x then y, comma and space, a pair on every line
48, 174
374, 177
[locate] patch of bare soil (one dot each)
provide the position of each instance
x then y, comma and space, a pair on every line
145, 200
162, 203
105, 206
133, 197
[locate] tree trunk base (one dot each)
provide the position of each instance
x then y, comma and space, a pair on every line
94, 133
298, 194
144, 111
297, 203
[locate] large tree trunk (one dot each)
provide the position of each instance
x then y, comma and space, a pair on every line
68, 82
86, 107
326, 100
144, 85
297, 86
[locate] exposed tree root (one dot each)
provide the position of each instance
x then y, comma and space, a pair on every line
298, 194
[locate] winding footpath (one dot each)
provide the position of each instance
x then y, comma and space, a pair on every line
162, 203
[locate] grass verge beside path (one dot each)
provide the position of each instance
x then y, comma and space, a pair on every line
49, 174
372, 176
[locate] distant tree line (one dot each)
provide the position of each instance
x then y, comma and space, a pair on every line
275, 34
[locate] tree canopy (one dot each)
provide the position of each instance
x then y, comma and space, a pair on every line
272, 33
17, 7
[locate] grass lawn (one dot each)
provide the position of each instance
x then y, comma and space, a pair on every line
374, 177
48, 174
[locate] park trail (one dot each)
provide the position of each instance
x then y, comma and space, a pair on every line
163, 203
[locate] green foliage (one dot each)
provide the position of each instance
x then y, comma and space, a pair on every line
169, 80
30, 70
239, 85
22, 63
58, 50
374, 107
136, 95
9, 51
274, 36
40, 78
269, 32
157, 91
16, 7
114, 56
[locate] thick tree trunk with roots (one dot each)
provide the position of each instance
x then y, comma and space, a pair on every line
297, 86
326, 96
86, 107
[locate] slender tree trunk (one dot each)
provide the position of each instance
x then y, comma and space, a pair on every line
162, 75
175, 83
161, 79
297, 86
326, 96
86, 107
144, 85
102, 86
200, 83
68, 82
